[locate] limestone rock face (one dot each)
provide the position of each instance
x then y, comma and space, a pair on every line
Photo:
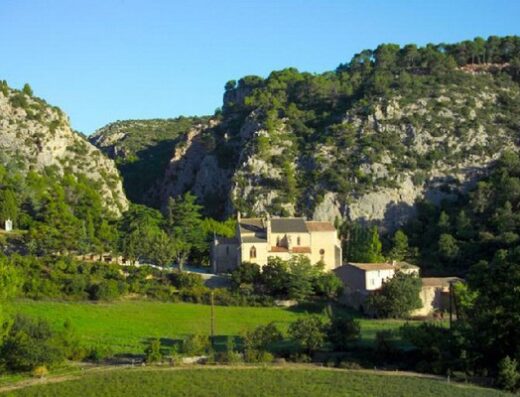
34, 135
370, 162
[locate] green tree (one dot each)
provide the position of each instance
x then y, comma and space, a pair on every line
308, 333
27, 90
400, 248
302, 277
9, 205
364, 245
163, 250
275, 277
10, 281
448, 247
262, 337
328, 285
246, 273
184, 225
397, 297
495, 315
342, 331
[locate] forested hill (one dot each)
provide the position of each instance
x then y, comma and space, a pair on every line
363, 142
36, 138
143, 149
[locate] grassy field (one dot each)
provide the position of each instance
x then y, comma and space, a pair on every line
127, 326
249, 382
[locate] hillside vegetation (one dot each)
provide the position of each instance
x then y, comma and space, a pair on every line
362, 142
35, 136
142, 150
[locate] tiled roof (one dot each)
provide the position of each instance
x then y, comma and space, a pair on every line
294, 250
439, 281
373, 266
301, 250
252, 225
315, 226
278, 249
288, 225
254, 239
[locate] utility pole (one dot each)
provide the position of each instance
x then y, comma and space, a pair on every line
450, 293
212, 319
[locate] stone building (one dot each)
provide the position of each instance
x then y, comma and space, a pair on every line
434, 295
257, 239
361, 279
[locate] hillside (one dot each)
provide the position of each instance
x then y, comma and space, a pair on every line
142, 150
35, 136
363, 142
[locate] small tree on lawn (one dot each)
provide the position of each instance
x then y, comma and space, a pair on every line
397, 297
308, 333
342, 331
153, 352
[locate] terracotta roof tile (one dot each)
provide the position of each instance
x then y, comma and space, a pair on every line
315, 226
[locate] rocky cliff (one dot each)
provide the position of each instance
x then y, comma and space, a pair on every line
35, 135
364, 142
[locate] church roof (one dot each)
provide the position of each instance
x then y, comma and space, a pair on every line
315, 226
288, 225
251, 225
254, 239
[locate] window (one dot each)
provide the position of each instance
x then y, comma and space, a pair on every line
298, 241
278, 241
227, 250
322, 252
252, 252
373, 282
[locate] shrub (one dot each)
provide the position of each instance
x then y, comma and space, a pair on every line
349, 365
196, 344
31, 343
186, 280
342, 331
308, 333
153, 351
99, 353
246, 273
257, 356
105, 290
40, 372
262, 337
508, 377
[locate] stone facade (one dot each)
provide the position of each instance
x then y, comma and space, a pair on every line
257, 239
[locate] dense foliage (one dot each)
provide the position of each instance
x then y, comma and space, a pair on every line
397, 297
295, 278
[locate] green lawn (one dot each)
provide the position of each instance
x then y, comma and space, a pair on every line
249, 382
127, 325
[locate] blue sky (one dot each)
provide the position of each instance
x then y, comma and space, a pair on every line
107, 60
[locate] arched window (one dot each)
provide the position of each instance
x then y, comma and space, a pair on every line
298, 241
252, 252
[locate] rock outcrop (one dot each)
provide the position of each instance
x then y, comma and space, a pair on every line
34, 135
